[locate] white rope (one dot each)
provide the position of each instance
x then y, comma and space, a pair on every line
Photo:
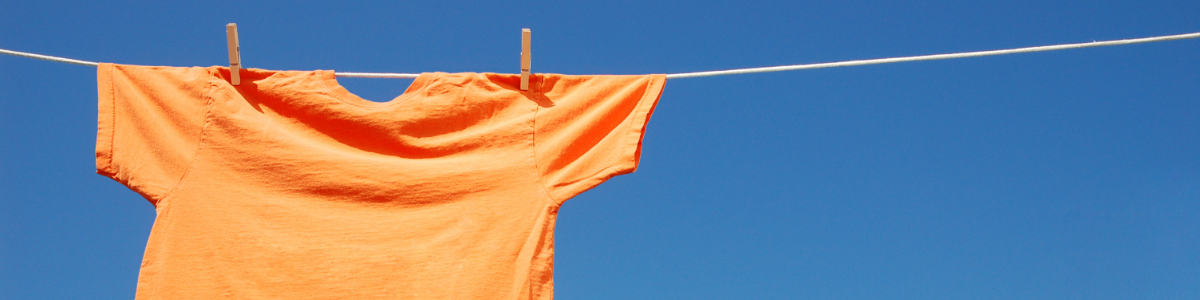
49, 58
763, 69
935, 56
375, 75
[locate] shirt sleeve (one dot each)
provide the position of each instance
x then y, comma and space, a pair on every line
149, 124
589, 128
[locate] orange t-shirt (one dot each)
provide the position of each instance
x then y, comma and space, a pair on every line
288, 186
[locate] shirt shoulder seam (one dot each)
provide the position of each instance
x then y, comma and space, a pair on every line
208, 103
537, 170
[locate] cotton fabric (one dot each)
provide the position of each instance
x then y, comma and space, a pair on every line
288, 186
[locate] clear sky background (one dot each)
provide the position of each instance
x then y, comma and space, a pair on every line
1059, 175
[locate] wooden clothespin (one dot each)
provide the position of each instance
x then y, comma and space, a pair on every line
525, 59
235, 54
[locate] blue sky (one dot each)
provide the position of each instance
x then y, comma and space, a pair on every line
1058, 175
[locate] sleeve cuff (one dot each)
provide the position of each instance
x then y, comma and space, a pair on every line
632, 148
106, 120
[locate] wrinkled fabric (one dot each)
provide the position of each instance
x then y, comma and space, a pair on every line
288, 186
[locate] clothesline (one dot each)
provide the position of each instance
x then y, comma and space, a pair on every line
764, 69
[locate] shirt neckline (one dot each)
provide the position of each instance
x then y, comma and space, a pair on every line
329, 80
